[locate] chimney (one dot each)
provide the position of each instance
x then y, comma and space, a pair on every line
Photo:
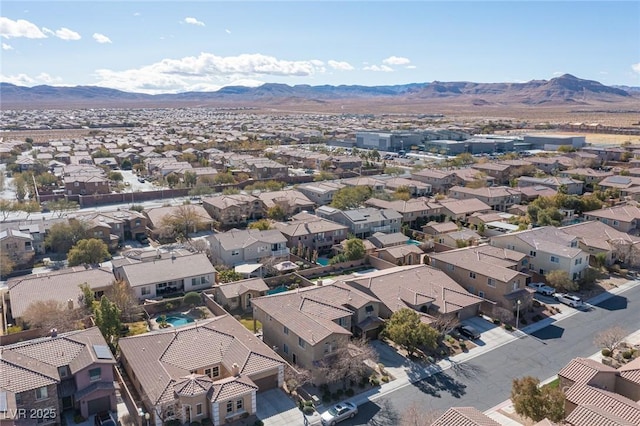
235, 370
53, 332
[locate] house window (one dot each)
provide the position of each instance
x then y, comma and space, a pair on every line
198, 409
615, 223
285, 330
137, 222
578, 261
532, 253
235, 252
41, 393
229, 406
342, 322
193, 282
145, 290
369, 310
300, 342
472, 275
481, 293
239, 404
212, 372
574, 244
491, 282
285, 348
94, 374
203, 280
515, 285
62, 371
555, 259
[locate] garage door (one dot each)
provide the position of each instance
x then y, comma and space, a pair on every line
99, 404
266, 383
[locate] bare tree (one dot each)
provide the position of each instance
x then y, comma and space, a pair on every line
52, 314
348, 362
415, 415
610, 338
503, 314
296, 378
445, 324
123, 296
185, 219
628, 252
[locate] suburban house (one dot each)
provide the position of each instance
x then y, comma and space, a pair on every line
312, 232
363, 222
622, 183
18, 247
321, 193
596, 394
468, 416
236, 247
210, 370
530, 193
587, 175
462, 209
499, 198
548, 248
373, 183
551, 165
382, 240
192, 215
122, 224
624, 217
238, 294
440, 181
168, 274
413, 211
422, 288
571, 186
416, 188
407, 254
595, 237
438, 228
263, 168
290, 200
81, 184
35, 229
27, 289
62, 372
461, 238
233, 209
307, 325
491, 273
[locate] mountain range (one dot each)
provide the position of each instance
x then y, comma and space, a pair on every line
563, 90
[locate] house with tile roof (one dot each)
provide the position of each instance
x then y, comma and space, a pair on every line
440, 181
492, 273
596, 237
467, 416
572, 186
238, 294
233, 209
363, 222
69, 371
548, 248
499, 198
461, 209
623, 217
313, 232
18, 246
413, 211
158, 276
212, 369
290, 200
62, 286
237, 247
307, 325
407, 254
321, 193
416, 188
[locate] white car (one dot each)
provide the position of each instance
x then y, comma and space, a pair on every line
569, 300
338, 413
542, 288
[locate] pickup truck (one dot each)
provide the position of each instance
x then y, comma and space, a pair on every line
542, 288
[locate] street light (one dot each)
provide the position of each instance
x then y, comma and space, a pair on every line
518, 314
146, 417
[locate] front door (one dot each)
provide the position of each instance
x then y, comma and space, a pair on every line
248, 301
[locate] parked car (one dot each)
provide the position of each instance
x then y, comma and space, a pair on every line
569, 300
142, 239
469, 332
542, 288
338, 413
104, 418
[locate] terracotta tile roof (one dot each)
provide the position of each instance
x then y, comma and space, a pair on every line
610, 402
167, 269
16, 379
232, 387
290, 197
493, 262
240, 287
591, 415
468, 206
631, 371
192, 385
582, 370
308, 226
161, 359
464, 416
237, 239
624, 213
37, 287
597, 234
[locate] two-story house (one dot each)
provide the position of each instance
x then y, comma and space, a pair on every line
364, 222
413, 211
233, 209
416, 188
210, 370
155, 277
490, 272
623, 217
86, 185
238, 294
18, 246
440, 181
290, 201
321, 193
460, 210
312, 232
69, 371
499, 198
236, 247
571, 186
548, 248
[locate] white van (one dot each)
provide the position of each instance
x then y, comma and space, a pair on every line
569, 300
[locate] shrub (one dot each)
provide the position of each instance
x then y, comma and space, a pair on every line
349, 392
627, 354
385, 379
606, 352
258, 423
335, 396
308, 403
508, 327
496, 321
375, 382
326, 397
463, 346
307, 411
340, 392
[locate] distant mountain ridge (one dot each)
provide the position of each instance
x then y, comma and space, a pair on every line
566, 89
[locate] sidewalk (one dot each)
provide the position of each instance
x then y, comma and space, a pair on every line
407, 372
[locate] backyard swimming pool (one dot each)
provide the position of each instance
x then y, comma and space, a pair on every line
179, 320
324, 261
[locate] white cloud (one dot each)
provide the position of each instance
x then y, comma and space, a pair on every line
63, 33
48, 79
193, 21
411, 67
378, 68
558, 73
26, 80
396, 60
6, 46
228, 31
204, 72
636, 67
101, 38
340, 65
19, 28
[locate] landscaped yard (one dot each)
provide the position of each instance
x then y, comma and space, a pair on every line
247, 321
138, 327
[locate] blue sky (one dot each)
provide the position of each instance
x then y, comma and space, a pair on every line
177, 46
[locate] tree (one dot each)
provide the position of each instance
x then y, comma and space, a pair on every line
348, 362
223, 178
262, 225
276, 212
402, 193
6, 264
63, 236
184, 220
296, 378
126, 164
394, 171
61, 207
90, 252
28, 207
50, 314
88, 296
350, 197
535, 402
354, 249
561, 281
610, 338
190, 179
415, 415
191, 299
405, 329
107, 317
172, 179
6, 207
228, 276
123, 296
115, 176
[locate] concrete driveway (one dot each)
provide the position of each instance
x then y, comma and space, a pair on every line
275, 407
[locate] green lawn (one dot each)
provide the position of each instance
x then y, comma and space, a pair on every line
138, 327
248, 323
554, 384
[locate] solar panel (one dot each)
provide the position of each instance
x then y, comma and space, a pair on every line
102, 352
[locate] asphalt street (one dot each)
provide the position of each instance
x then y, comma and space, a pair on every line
485, 381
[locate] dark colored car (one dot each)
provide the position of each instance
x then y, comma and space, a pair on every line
142, 239
105, 419
469, 332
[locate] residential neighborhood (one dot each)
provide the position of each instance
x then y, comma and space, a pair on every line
258, 274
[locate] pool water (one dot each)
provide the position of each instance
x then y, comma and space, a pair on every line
324, 261
414, 242
277, 290
179, 320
